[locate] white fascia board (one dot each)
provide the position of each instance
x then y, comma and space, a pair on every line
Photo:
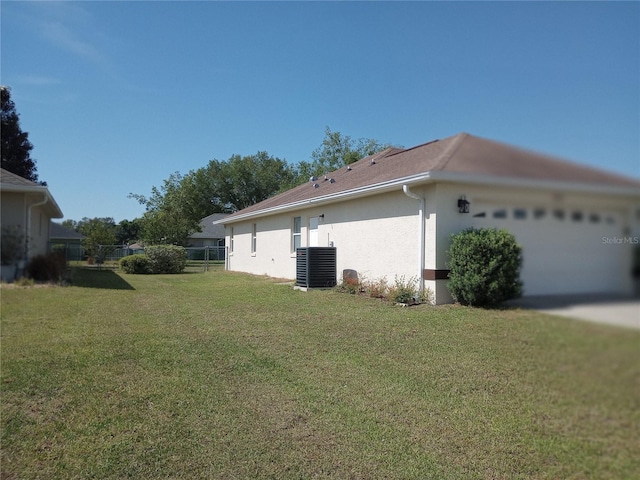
439, 176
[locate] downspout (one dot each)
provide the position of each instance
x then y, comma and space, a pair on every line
410, 194
28, 229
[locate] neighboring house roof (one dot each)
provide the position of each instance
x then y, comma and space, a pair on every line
209, 230
58, 232
462, 157
10, 182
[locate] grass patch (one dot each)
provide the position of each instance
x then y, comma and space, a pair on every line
225, 375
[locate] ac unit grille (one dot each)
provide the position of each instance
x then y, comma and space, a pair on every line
316, 267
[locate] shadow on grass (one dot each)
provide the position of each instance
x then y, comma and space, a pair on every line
92, 278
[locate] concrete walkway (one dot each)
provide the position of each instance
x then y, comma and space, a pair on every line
619, 311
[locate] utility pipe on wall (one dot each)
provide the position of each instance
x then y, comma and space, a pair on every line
28, 229
410, 194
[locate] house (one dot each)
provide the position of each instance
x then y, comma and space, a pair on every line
392, 214
211, 234
65, 240
26, 213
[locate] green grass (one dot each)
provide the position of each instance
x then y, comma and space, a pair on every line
224, 375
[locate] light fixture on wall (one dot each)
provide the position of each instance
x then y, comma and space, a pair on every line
463, 204
321, 215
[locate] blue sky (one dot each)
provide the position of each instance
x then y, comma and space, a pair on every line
116, 96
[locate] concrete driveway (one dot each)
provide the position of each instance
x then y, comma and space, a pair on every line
611, 310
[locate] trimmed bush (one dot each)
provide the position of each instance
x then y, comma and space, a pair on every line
166, 258
137, 263
47, 268
484, 267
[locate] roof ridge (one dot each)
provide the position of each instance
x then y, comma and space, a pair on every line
447, 154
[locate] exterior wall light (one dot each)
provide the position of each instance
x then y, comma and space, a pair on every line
463, 205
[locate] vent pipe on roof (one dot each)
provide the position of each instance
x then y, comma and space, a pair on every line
410, 194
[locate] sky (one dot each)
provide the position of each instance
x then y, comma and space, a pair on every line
117, 96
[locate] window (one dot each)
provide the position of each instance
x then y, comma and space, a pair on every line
539, 213
558, 214
296, 235
253, 238
576, 216
500, 213
231, 241
520, 214
594, 218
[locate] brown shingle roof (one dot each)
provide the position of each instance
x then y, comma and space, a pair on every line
462, 155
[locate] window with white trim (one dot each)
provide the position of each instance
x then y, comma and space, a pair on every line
254, 235
296, 233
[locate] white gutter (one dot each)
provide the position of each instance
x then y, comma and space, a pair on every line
410, 194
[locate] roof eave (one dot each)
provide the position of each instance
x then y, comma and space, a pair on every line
332, 198
438, 176
51, 202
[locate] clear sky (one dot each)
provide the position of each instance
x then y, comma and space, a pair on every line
116, 96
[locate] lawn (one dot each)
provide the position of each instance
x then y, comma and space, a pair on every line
223, 375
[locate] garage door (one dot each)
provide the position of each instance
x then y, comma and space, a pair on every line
564, 250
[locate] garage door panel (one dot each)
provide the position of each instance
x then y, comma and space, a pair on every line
563, 255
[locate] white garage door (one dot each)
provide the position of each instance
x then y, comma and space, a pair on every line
564, 250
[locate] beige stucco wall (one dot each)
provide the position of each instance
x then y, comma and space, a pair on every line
15, 212
376, 236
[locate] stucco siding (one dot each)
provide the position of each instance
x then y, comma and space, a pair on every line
13, 209
376, 236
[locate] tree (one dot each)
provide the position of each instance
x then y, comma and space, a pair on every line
97, 231
173, 211
336, 151
16, 147
128, 231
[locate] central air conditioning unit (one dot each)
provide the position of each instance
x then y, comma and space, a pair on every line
316, 267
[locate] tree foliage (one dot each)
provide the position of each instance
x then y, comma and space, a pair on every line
336, 151
173, 211
96, 231
16, 147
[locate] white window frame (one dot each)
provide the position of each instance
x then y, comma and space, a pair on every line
254, 238
296, 233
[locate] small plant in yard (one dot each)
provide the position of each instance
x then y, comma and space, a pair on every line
484, 267
349, 285
377, 288
51, 267
12, 245
403, 290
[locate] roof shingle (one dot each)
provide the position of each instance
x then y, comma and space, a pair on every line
459, 154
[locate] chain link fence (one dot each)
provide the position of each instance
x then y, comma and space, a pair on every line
199, 259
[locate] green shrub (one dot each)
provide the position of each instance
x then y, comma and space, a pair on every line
47, 268
403, 291
137, 263
484, 267
166, 258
